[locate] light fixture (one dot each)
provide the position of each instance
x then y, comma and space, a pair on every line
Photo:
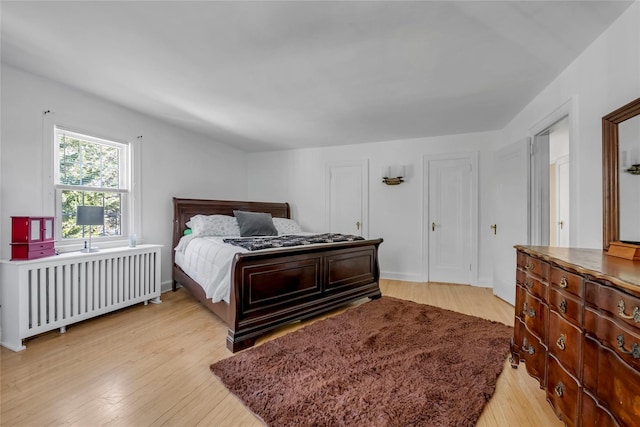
90, 215
392, 175
633, 169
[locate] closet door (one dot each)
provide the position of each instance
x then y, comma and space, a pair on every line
347, 208
452, 214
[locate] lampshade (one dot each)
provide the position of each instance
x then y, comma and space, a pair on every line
90, 215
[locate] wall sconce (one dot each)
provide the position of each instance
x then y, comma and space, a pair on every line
90, 215
628, 161
634, 169
392, 175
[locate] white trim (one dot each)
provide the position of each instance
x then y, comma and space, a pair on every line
95, 131
394, 275
472, 157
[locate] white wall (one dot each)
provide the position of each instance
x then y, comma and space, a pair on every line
174, 162
395, 212
604, 77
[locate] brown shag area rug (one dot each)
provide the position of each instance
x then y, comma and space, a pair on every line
387, 362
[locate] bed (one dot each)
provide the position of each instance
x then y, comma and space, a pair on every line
273, 287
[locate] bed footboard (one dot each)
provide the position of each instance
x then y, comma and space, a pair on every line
274, 288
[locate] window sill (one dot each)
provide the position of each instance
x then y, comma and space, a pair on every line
62, 248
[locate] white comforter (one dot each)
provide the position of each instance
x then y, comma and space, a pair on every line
207, 260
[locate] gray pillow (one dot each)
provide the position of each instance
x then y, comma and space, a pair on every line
255, 224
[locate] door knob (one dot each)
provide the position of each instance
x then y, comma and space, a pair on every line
358, 225
494, 227
433, 226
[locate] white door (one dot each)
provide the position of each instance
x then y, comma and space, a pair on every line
347, 210
562, 202
450, 220
510, 178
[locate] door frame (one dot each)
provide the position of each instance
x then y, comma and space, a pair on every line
562, 161
472, 157
364, 167
569, 110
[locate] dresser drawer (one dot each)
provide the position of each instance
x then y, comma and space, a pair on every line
20, 251
536, 267
570, 282
531, 351
562, 392
619, 388
565, 342
536, 287
622, 306
594, 415
622, 341
590, 362
566, 305
534, 313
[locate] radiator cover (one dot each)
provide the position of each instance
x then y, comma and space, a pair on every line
54, 292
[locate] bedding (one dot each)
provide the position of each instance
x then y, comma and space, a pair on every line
257, 243
226, 225
286, 226
214, 225
207, 259
255, 224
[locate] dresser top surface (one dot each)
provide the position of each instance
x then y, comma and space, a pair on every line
592, 262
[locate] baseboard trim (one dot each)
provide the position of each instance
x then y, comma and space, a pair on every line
401, 276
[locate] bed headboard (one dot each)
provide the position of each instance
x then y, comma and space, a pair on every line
184, 209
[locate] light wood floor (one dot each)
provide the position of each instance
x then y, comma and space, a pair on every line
149, 366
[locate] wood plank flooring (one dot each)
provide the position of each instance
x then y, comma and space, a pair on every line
149, 366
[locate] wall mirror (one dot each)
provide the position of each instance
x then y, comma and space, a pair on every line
621, 175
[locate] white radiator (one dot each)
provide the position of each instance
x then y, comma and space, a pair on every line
54, 292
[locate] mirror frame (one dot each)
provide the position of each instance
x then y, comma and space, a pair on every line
610, 212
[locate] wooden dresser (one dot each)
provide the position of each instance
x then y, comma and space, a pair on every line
577, 328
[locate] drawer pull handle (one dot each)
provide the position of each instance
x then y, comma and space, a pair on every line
561, 341
526, 347
635, 349
528, 283
528, 311
563, 306
559, 389
563, 282
529, 266
635, 315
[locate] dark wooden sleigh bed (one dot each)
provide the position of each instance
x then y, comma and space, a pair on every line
270, 288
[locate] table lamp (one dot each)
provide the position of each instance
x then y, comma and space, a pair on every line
90, 215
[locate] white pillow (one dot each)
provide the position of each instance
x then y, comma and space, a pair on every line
286, 226
214, 225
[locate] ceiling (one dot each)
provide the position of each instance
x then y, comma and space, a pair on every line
277, 75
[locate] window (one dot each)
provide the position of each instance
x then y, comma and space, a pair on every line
90, 171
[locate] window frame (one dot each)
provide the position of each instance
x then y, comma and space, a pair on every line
52, 194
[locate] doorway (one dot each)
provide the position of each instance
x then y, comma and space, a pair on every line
550, 185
